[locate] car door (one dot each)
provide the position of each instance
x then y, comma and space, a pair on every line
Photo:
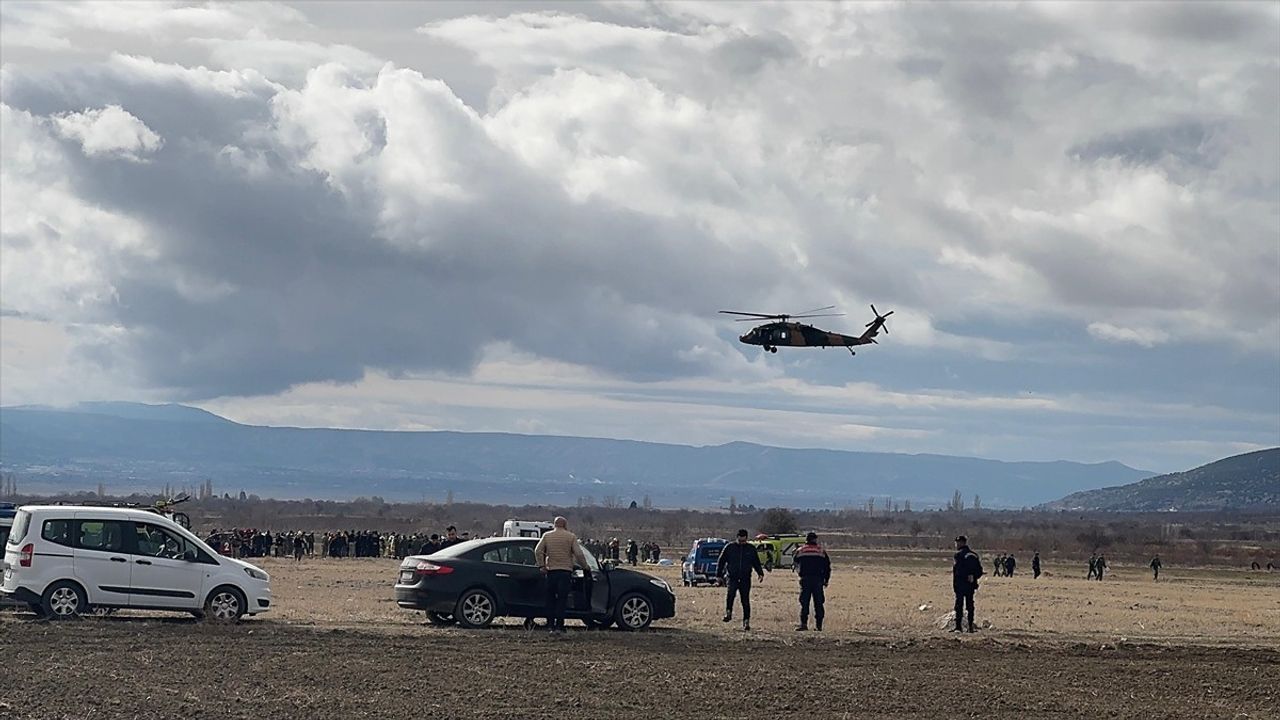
590, 589
99, 557
167, 572
520, 585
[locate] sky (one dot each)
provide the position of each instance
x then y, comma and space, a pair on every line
525, 217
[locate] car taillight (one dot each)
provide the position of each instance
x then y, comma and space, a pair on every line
27, 552
428, 568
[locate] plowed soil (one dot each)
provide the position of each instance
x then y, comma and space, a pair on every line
336, 646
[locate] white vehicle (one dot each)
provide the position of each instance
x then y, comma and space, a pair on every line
67, 560
526, 528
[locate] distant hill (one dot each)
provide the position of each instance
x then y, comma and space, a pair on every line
1241, 482
142, 447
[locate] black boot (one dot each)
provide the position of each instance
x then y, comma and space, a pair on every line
817, 625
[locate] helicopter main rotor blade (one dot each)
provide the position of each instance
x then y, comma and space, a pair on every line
816, 310
819, 315
748, 314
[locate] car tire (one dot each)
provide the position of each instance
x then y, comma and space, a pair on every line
225, 604
633, 612
439, 618
476, 609
63, 600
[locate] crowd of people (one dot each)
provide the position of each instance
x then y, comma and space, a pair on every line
254, 543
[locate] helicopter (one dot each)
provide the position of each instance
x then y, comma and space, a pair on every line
782, 333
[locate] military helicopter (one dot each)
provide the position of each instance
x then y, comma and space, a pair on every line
782, 333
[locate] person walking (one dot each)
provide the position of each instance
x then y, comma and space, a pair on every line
1035, 566
1102, 566
813, 566
1155, 567
737, 561
1093, 566
556, 554
964, 581
1009, 565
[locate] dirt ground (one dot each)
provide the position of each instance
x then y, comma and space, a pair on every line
1198, 644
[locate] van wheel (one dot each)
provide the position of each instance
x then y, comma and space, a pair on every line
224, 605
476, 609
439, 618
63, 599
634, 612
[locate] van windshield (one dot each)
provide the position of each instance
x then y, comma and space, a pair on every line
20, 523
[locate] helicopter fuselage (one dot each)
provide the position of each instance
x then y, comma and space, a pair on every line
774, 335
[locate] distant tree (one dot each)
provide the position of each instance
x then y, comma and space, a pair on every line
906, 506
778, 521
733, 504
648, 504
977, 502
633, 505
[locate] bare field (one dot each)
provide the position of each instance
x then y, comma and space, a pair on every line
1203, 644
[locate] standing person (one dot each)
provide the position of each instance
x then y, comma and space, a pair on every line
1035, 566
1009, 565
813, 566
1093, 566
964, 580
1102, 565
1155, 567
431, 546
737, 561
998, 565
556, 554
299, 547
632, 551
450, 537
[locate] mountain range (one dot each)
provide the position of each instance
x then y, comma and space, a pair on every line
1248, 482
135, 447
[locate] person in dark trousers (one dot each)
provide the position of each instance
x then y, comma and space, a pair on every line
1093, 566
1035, 566
1009, 565
633, 551
737, 561
964, 580
1155, 568
557, 553
813, 566
1102, 566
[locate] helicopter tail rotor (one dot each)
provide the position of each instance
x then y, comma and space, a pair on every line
879, 322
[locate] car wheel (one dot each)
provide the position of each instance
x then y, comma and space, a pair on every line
439, 618
62, 600
634, 612
476, 609
224, 605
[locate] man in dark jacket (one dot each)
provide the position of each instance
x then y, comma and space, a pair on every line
737, 561
813, 566
1035, 566
964, 580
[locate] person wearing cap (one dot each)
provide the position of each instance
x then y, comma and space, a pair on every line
813, 566
964, 580
737, 561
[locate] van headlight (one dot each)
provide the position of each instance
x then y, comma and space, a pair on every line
661, 583
256, 574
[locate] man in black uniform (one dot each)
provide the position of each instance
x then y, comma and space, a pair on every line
964, 580
1035, 566
1155, 568
814, 567
738, 560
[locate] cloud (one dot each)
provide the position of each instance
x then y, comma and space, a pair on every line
110, 132
1040, 191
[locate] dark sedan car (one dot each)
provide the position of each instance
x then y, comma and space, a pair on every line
476, 581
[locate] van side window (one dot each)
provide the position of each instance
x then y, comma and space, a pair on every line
57, 531
105, 535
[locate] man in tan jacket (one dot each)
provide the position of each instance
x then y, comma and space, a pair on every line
556, 553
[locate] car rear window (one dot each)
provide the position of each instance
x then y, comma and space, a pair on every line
20, 523
58, 531
709, 552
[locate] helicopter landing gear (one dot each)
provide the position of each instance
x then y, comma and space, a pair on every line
851, 352
770, 348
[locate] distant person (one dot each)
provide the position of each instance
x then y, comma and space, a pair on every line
1093, 566
737, 561
450, 537
1270, 566
1035, 566
1102, 566
1155, 568
633, 551
1009, 565
614, 546
813, 566
964, 581
431, 546
998, 566
299, 548
556, 554
1254, 565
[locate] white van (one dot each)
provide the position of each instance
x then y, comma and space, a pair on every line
526, 528
66, 560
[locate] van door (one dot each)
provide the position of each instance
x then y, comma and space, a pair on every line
98, 557
168, 571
